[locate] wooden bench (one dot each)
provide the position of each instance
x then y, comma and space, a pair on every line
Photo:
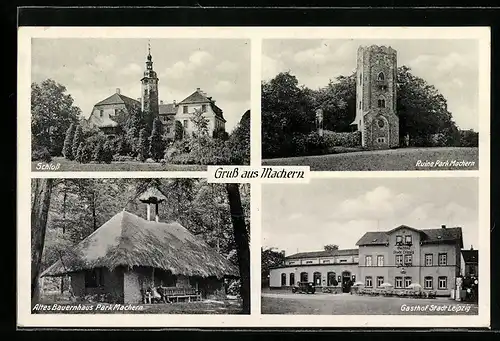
174, 293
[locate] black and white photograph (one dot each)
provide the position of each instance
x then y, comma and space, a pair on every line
108, 104
371, 104
152, 246
392, 246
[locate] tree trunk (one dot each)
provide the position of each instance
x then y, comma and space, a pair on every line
94, 218
242, 243
39, 215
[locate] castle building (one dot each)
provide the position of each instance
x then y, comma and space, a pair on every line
376, 82
401, 256
112, 112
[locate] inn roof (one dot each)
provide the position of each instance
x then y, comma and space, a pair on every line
428, 236
324, 253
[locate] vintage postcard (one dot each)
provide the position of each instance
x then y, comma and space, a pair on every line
245, 177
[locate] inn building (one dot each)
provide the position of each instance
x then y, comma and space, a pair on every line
401, 256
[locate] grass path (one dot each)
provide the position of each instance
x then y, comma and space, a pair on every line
385, 160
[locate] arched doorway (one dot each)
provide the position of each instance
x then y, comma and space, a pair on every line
346, 281
317, 278
303, 277
292, 278
331, 280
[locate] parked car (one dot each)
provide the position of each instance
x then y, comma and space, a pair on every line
304, 288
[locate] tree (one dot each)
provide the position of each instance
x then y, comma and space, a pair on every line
97, 156
331, 247
241, 238
239, 141
68, 152
133, 126
157, 144
77, 139
270, 258
143, 145
108, 151
52, 112
200, 123
42, 190
179, 131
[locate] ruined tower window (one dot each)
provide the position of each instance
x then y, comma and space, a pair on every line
381, 103
381, 123
381, 76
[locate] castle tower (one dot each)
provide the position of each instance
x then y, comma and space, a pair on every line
149, 99
376, 80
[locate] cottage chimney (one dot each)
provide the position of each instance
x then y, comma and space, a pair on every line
443, 226
152, 195
118, 91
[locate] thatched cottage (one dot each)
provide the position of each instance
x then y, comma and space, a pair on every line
128, 254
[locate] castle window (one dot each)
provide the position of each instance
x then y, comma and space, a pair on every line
381, 103
101, 113
168, 130
381, 123
203, 108
185, 123
381, 76
185, 109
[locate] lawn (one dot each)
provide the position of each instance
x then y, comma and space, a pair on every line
201, 307
386, 160
60, 164
346, 304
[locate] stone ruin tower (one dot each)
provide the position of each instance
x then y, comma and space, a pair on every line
376, 80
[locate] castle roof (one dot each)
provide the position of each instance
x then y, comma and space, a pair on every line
167, 109
128, 240
117, 98
427, 236
324, 253
200, 97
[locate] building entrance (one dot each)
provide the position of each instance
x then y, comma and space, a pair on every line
346, 281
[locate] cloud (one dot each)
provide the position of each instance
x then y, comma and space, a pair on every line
223, 87
200, 58
131, 69
105, 62
227, 66
271, 67
185, 69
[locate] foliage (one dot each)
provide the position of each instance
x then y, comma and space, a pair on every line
52, 112
98, 154
331, 247
84, 153
343, 139
239, 142
143, 145
179, 131
67, 151
469, 138
200, 123
41, 154
270, 258
107, 151
220, 134
77, 139
157, 144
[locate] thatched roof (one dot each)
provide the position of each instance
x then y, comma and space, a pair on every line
152, 194
128, 240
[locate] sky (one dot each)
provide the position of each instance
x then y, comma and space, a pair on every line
305, 217
92, 69
452, 66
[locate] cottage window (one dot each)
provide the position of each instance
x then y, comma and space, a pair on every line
185, 109
292, 278
399, 259
408, 240
185, 123
407, 282
380, 260
442, 282
283, 280
399, 240
408, 260
428, 259
443, 259
398, 282
368, 260
428, 283
381, 76
368, 282
94, 278
203, 108
380, 280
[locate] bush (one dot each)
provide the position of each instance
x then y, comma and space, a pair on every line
469, 138
68, 151
123, 158
334, 139
143, 145
84, 153
107, 152
98, 153
41, 154
78, 137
